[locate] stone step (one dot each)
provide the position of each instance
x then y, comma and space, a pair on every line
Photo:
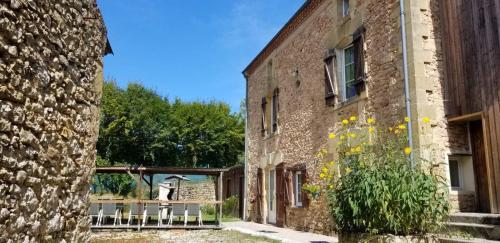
475, 218
458, 240
485, 231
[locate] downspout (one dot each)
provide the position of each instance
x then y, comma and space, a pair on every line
245, 184
406, 81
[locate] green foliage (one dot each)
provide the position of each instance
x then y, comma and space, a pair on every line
120, 184
230, 206
140, 127
374, 188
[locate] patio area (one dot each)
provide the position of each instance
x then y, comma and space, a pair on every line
163, 212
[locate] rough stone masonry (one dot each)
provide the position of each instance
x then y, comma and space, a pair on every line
50, 88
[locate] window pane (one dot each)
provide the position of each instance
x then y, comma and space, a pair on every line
454, 173
345, 7
350, 91
349, 55
299, 188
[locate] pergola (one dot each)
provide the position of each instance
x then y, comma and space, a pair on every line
150, 171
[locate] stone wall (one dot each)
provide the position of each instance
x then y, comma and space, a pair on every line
50, 89
304, 119
202, 190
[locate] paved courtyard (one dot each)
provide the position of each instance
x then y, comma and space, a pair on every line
276, 233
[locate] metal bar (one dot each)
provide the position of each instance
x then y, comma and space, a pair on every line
406, 81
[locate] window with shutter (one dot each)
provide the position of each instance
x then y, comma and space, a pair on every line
275, 109
351, 67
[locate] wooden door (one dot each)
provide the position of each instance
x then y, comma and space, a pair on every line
479, 164
258, 197
280, 195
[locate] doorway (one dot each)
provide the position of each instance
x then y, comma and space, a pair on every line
479, 165
271, 197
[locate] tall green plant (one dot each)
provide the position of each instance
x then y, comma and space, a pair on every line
373, 188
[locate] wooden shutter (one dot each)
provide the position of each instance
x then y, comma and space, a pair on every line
305, 197
280, 195
258, 197
359, 60
330, 77
263, 122
275, 104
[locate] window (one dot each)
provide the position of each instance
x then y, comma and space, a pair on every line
275, 109
297, 182
351, 67
345, 8
455, 175
349, 73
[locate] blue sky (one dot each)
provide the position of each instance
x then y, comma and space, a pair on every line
191, 49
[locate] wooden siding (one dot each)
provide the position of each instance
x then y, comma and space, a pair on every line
471, 44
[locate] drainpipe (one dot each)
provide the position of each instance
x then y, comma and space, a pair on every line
245, 185
406, 81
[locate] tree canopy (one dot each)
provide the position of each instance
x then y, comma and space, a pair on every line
140, 127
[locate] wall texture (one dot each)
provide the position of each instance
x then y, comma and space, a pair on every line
50, 89
202, 190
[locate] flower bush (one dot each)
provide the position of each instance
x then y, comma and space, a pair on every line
373, 187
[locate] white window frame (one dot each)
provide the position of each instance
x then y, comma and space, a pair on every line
342, 74
345, 8
297, 199
460, 174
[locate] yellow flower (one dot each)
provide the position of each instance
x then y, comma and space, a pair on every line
407, 119
426, 120
325, 170
390, 129
396, 131
358, 149
330, 187
407, 150
370, 120
402, 126
321, 175
332, 163
348, 170
345, 122
371, 129
352, 135
339, 143
342, 137
353, 118
331, 135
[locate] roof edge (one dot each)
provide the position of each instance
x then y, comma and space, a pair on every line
303, 13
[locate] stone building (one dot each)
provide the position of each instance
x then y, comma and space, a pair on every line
50, 89
339, 58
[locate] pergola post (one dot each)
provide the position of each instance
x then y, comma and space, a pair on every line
220, 198
139, 209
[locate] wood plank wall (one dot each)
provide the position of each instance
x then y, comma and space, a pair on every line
471, 44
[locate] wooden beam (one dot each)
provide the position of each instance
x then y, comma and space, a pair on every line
220, 198
467, 118
139, 209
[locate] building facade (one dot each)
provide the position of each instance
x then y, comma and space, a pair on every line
341, 58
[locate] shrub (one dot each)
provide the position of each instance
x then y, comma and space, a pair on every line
375, 188
230, 206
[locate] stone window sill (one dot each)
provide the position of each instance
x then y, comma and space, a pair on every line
349, 102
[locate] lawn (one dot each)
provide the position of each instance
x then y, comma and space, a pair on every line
208, 236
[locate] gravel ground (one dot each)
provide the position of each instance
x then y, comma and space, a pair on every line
175, 236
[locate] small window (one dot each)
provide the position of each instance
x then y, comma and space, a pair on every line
345, 8
297, 181
264, 110
455, 174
